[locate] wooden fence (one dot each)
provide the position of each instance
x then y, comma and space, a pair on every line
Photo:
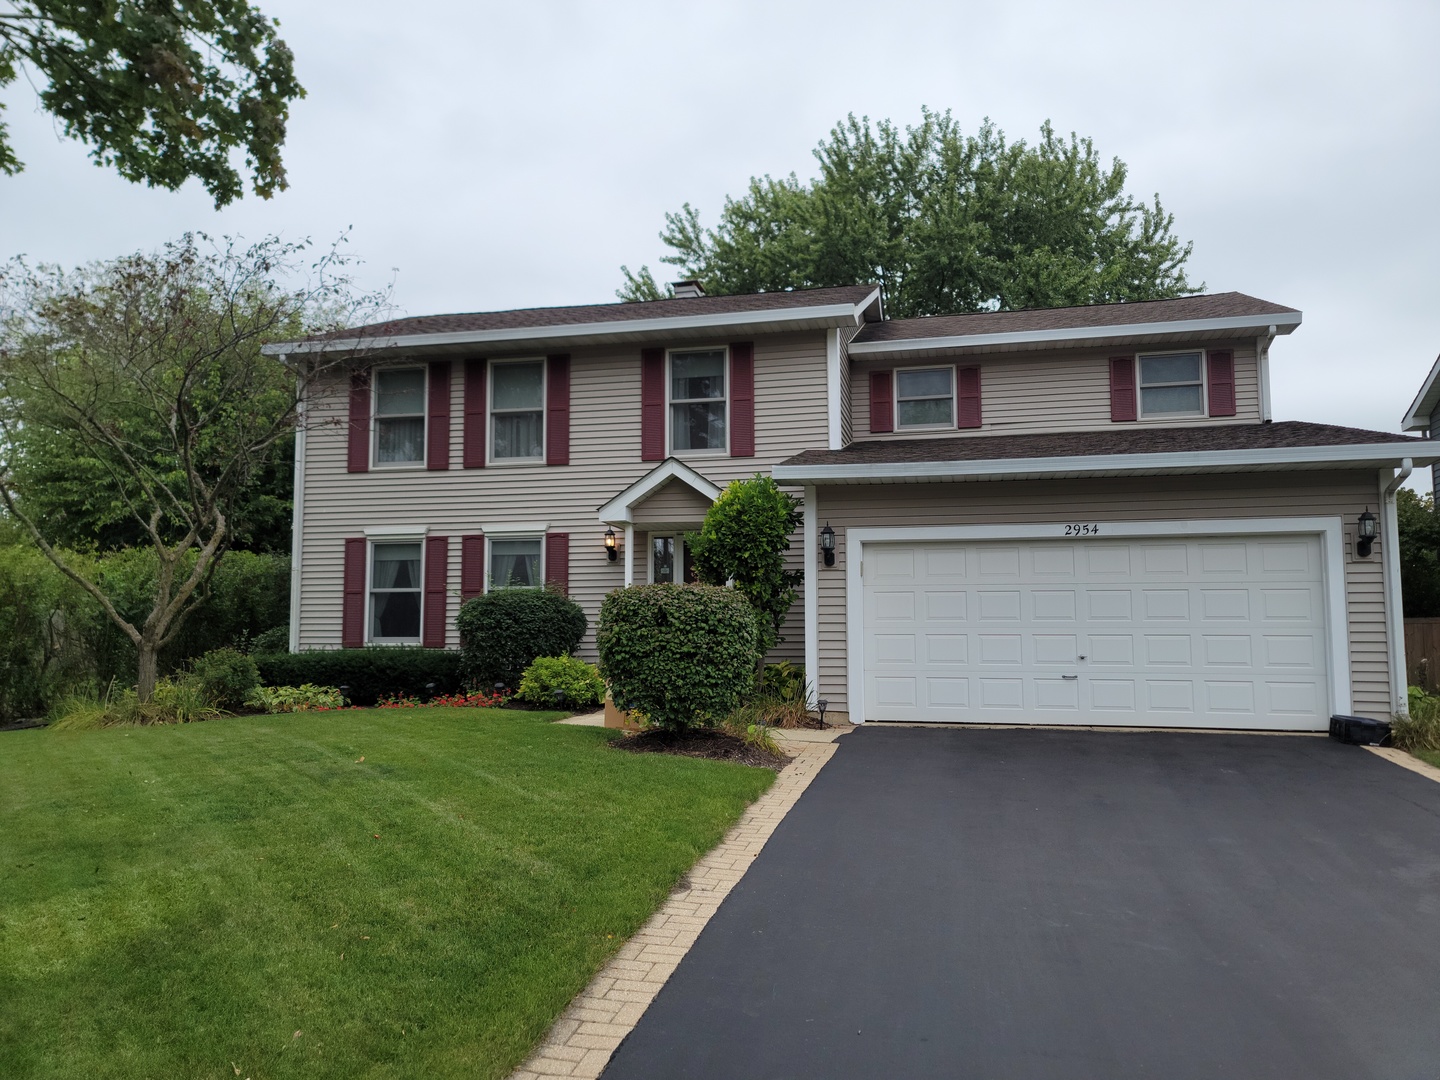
1422, 652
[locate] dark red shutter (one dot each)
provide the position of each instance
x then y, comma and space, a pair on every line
557, 560
967, 402
1122, 388
557, 410
359, 456
474, 435
742, 399
652, 404
1222, 382
437, 438
472, 566
437, 568
882, 407
352, 611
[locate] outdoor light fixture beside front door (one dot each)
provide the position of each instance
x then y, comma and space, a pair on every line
827, 544
610, 544
1365, 534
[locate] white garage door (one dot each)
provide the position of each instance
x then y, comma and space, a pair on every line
1222, 632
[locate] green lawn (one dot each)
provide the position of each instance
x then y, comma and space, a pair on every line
245, 897
1431, 757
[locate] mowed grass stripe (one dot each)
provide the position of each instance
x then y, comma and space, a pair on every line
169, 897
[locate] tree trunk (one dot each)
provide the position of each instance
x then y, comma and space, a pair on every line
148, 665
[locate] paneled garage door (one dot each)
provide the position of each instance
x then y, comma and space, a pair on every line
1223, 632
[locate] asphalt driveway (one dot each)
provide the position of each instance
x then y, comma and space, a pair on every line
1073, 905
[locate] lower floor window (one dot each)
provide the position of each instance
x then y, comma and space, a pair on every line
515, 564
395, 592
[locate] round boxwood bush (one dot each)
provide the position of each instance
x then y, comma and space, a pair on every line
681, 654
226, 677
566, 681
503, 632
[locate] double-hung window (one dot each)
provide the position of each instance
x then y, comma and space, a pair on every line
395, 585
400, 416
515, 564
925, 398
1172, 384
517, 410
697, 400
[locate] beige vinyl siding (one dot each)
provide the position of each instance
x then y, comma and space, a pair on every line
675, 502
1301, 494
1069, 391
790, 416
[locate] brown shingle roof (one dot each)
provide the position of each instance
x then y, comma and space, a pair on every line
528, 318
1120, 440
1185, 308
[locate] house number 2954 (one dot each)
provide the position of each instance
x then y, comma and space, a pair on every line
1082, 530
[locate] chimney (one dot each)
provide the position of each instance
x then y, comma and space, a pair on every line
686, 290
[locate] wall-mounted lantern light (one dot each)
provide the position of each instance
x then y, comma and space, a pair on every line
1365, 534
610, 543
827, 544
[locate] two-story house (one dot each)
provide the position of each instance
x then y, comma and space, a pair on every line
1066, 516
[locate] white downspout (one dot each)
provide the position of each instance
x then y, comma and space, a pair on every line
809, 546
1394, 604
833, 375
1262, 358
297, 519
629, 554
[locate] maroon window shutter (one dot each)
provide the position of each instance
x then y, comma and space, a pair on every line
652, 404
1122, 388
1222, 382
472, 566
437, 568
437, 446
352, 617
557, 410
967, 401
742, 399
359, 456
882, 408
557, 560
474, 435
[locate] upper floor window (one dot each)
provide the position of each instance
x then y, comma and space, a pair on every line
395, 592
1172, 384
515, 564
925, 398
697, 400
399, 416
517, 410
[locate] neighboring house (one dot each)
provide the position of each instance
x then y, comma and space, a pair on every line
1424, 416
1078, 515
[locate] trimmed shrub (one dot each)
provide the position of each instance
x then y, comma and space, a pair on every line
564, 681
226, 677
370, 673
503, 632
274, 640
681, 654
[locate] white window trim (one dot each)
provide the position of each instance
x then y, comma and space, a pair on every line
375, 462
1332, 556
1204, 385
679, 537
373, 538
491, 537
490, 458
954, 402
670, 450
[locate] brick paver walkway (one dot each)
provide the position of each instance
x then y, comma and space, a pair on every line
582, 1040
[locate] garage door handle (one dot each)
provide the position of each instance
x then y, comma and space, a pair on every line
1069, 676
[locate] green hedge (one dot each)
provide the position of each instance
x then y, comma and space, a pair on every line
370, 673
502, 633
681, 654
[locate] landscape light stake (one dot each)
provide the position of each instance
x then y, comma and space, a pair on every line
823, 704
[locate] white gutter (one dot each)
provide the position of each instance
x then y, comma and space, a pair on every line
1262, 359
832, 312
1394, 600
1284, 323
297, 522
1201, 461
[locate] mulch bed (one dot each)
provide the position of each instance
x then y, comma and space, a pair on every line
700, 743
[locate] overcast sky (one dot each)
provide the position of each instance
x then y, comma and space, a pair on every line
492, 156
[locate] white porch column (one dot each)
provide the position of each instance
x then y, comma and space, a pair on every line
629, 554
811, 545
1394, 603
297, 519
833, 400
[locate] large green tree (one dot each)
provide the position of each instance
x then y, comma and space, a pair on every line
160, 90
1419, 529
150, 370
946, 222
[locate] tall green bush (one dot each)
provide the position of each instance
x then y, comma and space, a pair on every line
503, 632
681, 654
369, 674
45, 619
